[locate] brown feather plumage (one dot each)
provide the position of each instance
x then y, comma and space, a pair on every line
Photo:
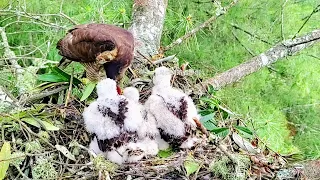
84, 43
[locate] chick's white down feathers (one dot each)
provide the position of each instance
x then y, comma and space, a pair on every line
148, 130
102, 118
164, 100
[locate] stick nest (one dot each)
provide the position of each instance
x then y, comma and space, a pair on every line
35, 153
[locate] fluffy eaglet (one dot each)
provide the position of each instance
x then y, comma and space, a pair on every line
173, 111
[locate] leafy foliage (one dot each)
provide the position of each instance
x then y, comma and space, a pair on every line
44, 169
191, 165
88, 90
5, 154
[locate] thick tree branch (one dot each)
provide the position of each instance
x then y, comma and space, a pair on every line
281, 50
148, 19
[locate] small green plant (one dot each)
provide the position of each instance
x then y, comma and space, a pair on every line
101, 164
44, 169
225, 169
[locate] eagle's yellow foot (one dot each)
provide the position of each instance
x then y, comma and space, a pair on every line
107, 56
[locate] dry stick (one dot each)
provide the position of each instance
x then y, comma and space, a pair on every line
166, 59
21, 173
203, 25
281, 50
249, 33
69, 18
70, 89
315, 10
150, 61
43, 94
249, 51
28, 129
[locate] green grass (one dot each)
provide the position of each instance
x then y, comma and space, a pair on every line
289, 93
262, 97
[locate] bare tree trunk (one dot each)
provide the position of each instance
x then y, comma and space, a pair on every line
281, 50
148, 19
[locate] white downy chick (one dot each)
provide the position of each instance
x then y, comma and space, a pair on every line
173, 110
148, 131
113, 120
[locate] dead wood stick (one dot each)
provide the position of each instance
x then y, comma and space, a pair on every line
201, 127
43, 94
70, 89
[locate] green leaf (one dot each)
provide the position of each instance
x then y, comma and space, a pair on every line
52, 78
31, 121
207, 117
219, 130
211, 90
57, 70
40, 123
209, 125
57, 75
205, 112
88, 90
65, 152
244, 129
5, 154
49, 127
165, 153
191, 166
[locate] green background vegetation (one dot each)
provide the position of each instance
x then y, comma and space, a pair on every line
280, 102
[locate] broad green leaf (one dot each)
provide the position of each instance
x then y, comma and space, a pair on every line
88, 90
5, 154
205, 112
38, 123
244, 129
57, 75
207, 117
191, 166
52, 78
49, 127
65, 152
165, 153
56, 70
31, 121
209, 125
218, 130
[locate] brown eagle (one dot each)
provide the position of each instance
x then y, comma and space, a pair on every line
96, 45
